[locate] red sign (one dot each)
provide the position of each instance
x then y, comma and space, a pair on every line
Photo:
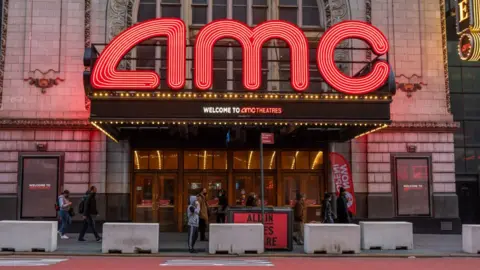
342, 177
105, 75
39, 186
275, 226
267, 138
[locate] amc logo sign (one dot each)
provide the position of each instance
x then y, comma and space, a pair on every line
105, 75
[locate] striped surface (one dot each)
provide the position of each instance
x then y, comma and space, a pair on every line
18, 262
217, 263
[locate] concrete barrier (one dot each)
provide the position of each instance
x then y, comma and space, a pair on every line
387, 235
332, 238
26, 236
130, 237
236, 238
471, 239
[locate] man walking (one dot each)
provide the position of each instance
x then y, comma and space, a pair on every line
193, 221
89, 210
342, 207
202, 201
299, 218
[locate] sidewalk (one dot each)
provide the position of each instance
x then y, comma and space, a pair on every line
174, 245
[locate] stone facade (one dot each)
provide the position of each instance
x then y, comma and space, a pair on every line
46, 40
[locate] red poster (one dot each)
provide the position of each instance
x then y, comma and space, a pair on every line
342, 176
276, 233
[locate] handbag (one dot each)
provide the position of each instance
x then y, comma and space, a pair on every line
71, 212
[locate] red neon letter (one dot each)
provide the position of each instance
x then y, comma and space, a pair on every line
106, 76
251, 42
326, 57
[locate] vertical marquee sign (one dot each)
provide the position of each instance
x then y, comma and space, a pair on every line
105, 75
468, 28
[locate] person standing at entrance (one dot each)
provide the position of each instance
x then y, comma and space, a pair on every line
89, 210
299, 220
193, 212
202, 201
342, 207
222, 206
327, 209
64, 205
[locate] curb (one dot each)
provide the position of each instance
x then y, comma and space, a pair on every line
265, 255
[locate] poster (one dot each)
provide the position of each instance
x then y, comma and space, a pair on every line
342, 177
39, 187
275, 225
413, 195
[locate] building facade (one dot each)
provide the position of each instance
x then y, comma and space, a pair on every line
464, 97
146, 151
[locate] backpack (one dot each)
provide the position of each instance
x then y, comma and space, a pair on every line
81, 205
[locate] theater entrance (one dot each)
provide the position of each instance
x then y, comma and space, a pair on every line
154, 199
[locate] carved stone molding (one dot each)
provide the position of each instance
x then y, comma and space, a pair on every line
410, 84
43, 80
3, 43
368, 18
45, 123
88, 41
443, 21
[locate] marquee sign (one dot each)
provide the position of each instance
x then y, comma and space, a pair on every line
105, 76
468, 27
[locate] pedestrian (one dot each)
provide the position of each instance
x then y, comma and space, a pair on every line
342, 207
299, 218
327, 209
64, 206
88, 211
202, 201
193, 212
222, 206
251, 200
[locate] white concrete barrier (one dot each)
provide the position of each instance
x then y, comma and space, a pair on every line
26, 236
387, 235
332, 238
471, 239
236, 238
130, 237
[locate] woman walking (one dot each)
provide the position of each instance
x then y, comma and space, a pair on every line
64, 205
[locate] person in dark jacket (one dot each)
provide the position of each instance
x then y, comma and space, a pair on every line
251, 200
327, 209
299, 218
342, 207
202, 200
222, 206
90, 210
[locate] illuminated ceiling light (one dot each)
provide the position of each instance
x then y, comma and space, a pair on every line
103, 131
272, 160
316, 159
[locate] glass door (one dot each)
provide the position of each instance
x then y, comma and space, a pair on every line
213, 183
250, 182
154, 199
312, 185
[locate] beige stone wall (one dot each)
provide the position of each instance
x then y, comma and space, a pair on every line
84, 153
44, 35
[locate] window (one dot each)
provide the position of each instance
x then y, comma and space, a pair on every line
150, 9
205, 160
304, 13
412, 186
302, 160
249, 12
250, 160
155, 160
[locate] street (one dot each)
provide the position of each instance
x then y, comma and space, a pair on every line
146, 263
